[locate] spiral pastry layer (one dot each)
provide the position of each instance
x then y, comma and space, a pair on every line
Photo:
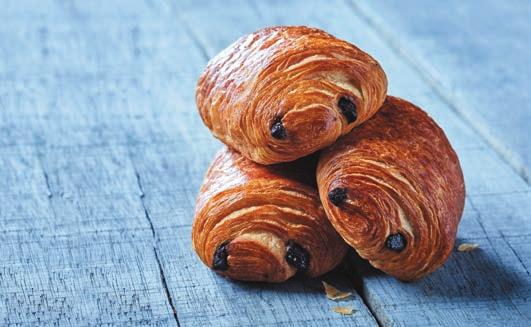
282, 93
394, 190
263, 223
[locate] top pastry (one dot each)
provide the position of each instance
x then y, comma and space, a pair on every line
284, 92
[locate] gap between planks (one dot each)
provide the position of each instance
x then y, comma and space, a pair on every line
161, 270
357, 281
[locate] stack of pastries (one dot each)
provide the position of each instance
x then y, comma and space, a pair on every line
319, 159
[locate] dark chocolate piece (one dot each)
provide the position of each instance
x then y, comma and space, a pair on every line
297, 256
277, 129
396, 242
220, 257
337, 196
348, 109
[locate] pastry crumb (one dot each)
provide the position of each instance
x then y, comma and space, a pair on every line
343, 310
333, 293
467, 247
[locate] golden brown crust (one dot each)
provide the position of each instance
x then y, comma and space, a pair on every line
256, 212
294, 76
401, 176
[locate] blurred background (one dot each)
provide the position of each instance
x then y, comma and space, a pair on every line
102, 152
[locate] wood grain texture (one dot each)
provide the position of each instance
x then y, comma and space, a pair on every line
76, 246
74, 258
475, 54
102, 153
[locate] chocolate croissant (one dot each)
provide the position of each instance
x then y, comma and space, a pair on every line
263, 223
394, 190
282, 93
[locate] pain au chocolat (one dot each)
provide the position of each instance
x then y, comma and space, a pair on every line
263, 223
284, 92
393, 188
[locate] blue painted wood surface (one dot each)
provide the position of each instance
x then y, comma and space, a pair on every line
102, 153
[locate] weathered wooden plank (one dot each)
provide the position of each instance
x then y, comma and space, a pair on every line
93, 278
476, 55
74, 259
77, 247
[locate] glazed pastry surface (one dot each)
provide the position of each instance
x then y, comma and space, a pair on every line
393, 188
263, 223
282, 93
